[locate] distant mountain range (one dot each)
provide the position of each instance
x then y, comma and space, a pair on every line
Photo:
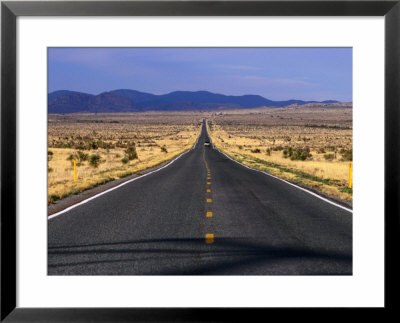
123, 100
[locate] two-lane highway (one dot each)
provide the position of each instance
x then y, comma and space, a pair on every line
202, 214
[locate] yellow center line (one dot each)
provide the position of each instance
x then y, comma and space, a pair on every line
209, 200
208, 183
209, 214
209, 238
208, 190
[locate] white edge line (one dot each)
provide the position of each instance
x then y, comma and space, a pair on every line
299, 187
201, 131
115, 187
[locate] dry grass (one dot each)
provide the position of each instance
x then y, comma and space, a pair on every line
158, 137
326, 132
243, 134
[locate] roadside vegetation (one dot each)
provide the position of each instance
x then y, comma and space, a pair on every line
310, 146
112, 146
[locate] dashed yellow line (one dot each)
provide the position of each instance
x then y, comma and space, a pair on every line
209, 238
209, 214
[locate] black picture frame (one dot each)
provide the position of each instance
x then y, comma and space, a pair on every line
10, 10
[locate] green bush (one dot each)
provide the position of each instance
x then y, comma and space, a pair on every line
268, 151
256, 150
125, 160
93, 145
297, 153
94, 160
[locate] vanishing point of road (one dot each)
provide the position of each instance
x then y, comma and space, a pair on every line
203, 214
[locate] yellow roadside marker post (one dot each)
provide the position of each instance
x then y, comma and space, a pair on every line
74, 170
209, 238
351, 175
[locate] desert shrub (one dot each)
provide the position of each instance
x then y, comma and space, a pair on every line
330, 148
130, 151
301, 154
268, 151
107, 145
81, 156
256, 150
321, 150
117, 155
53, 198
287, 152
49, 155
120, 144
329, 156
125, 160
277, 148
297, 153
164, 149
94, 160
49, 169
71, 158
93, 145
347, 154
240, 147
81, 145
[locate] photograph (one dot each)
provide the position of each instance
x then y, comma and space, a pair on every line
200, 161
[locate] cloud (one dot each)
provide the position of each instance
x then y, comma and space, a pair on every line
279, 82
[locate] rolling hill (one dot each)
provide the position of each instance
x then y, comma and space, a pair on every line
125, 100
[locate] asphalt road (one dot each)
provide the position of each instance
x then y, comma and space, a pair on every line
204, 214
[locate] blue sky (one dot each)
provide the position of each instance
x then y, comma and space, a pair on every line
275, 73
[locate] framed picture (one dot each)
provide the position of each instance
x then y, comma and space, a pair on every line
319, 58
